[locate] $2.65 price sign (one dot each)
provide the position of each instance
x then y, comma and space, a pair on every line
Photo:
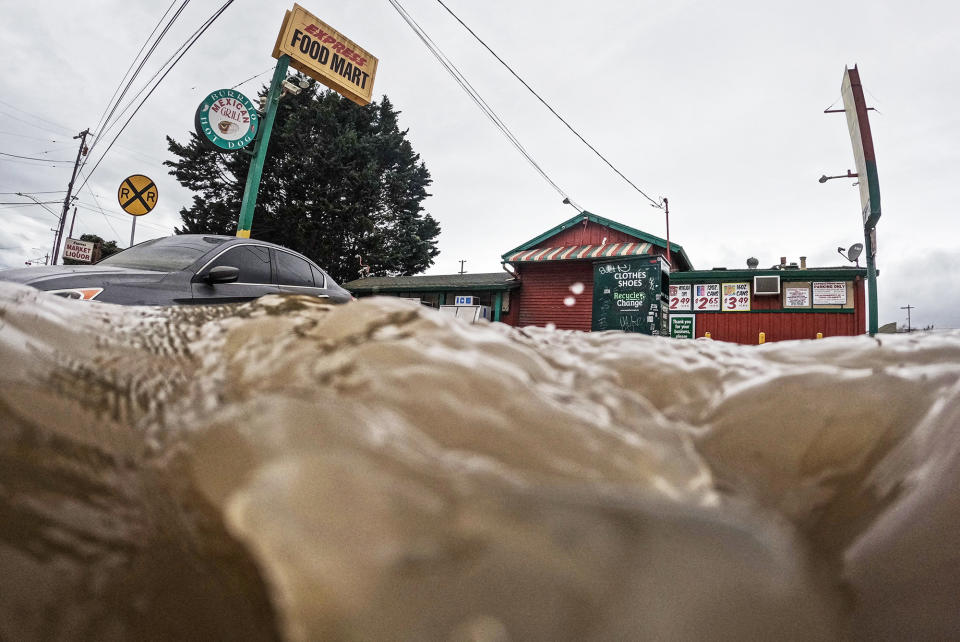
706, 297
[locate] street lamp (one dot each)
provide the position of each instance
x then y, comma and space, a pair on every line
849, 174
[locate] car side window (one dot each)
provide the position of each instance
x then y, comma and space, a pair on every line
319, 279
294, 270
252, 260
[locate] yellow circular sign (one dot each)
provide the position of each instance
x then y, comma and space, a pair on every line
137, 195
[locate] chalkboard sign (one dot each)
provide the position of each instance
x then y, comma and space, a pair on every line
628, 296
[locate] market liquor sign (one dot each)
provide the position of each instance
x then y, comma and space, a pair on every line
627, 296
326, 55
226, 120
78, 250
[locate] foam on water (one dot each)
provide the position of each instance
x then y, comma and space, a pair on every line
376, 470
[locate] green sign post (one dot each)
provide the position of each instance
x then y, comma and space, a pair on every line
629, 295
260, 149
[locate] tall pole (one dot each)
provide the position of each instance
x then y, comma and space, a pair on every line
666, 212
72, 221
66, 201
868, 237
908, 307
133, 229
260, 150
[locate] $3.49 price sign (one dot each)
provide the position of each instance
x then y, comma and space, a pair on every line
736, 297
680, 297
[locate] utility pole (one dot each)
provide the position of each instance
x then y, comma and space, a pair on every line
462, 271
66, 201
666, 213
908, 307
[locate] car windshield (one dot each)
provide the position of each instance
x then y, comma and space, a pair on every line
163, 255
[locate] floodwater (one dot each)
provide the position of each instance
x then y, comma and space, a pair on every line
290, 470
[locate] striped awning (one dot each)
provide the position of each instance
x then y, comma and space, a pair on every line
579, 252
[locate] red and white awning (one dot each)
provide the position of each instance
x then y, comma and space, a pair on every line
579, 252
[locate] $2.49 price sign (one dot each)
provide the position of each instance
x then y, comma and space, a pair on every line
680, 297
736, 297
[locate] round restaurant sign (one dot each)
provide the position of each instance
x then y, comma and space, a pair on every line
226, 120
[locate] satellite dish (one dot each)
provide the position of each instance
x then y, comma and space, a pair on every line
752, 263
853, 253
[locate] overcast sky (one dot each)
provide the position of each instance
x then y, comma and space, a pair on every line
717, 106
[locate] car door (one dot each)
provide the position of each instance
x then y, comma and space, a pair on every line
296, 276
255, 278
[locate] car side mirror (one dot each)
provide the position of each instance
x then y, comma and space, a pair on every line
222, 274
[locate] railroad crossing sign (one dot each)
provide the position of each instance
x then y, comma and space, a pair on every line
137, 195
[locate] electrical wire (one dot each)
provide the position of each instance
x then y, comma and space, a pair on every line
488, 111
251, 78
184, 48
56, 191
27, 122
45, 160
552, 110
34, 116
97, 201
102, 119
104, 123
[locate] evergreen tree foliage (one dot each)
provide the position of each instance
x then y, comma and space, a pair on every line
339, 182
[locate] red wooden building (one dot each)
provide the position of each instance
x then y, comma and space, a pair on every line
554, 266
548, 281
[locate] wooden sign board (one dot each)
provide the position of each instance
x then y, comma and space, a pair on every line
323, 53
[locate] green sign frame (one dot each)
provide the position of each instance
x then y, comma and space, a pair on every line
683, 326
233, 124
628, 295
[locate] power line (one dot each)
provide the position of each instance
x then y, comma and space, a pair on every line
45, 160
34, 116
133, 61
97, 201
547, 105
251, 78
488, 111
102, 124
56, 191
184, 48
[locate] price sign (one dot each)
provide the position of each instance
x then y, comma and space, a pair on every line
680, 298
706, 297
736, 297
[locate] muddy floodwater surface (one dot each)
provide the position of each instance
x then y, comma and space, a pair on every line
290, 470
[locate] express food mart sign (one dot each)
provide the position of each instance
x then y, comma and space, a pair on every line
326, 55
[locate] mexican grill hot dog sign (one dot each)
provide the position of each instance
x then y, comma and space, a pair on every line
323, 53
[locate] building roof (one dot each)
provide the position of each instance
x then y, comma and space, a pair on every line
589, 216
786, 274
433, 283
578, 252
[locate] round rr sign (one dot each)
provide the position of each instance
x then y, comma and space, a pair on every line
226, 120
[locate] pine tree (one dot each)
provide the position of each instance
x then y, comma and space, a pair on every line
340, 182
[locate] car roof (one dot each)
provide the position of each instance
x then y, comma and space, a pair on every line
209, 241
